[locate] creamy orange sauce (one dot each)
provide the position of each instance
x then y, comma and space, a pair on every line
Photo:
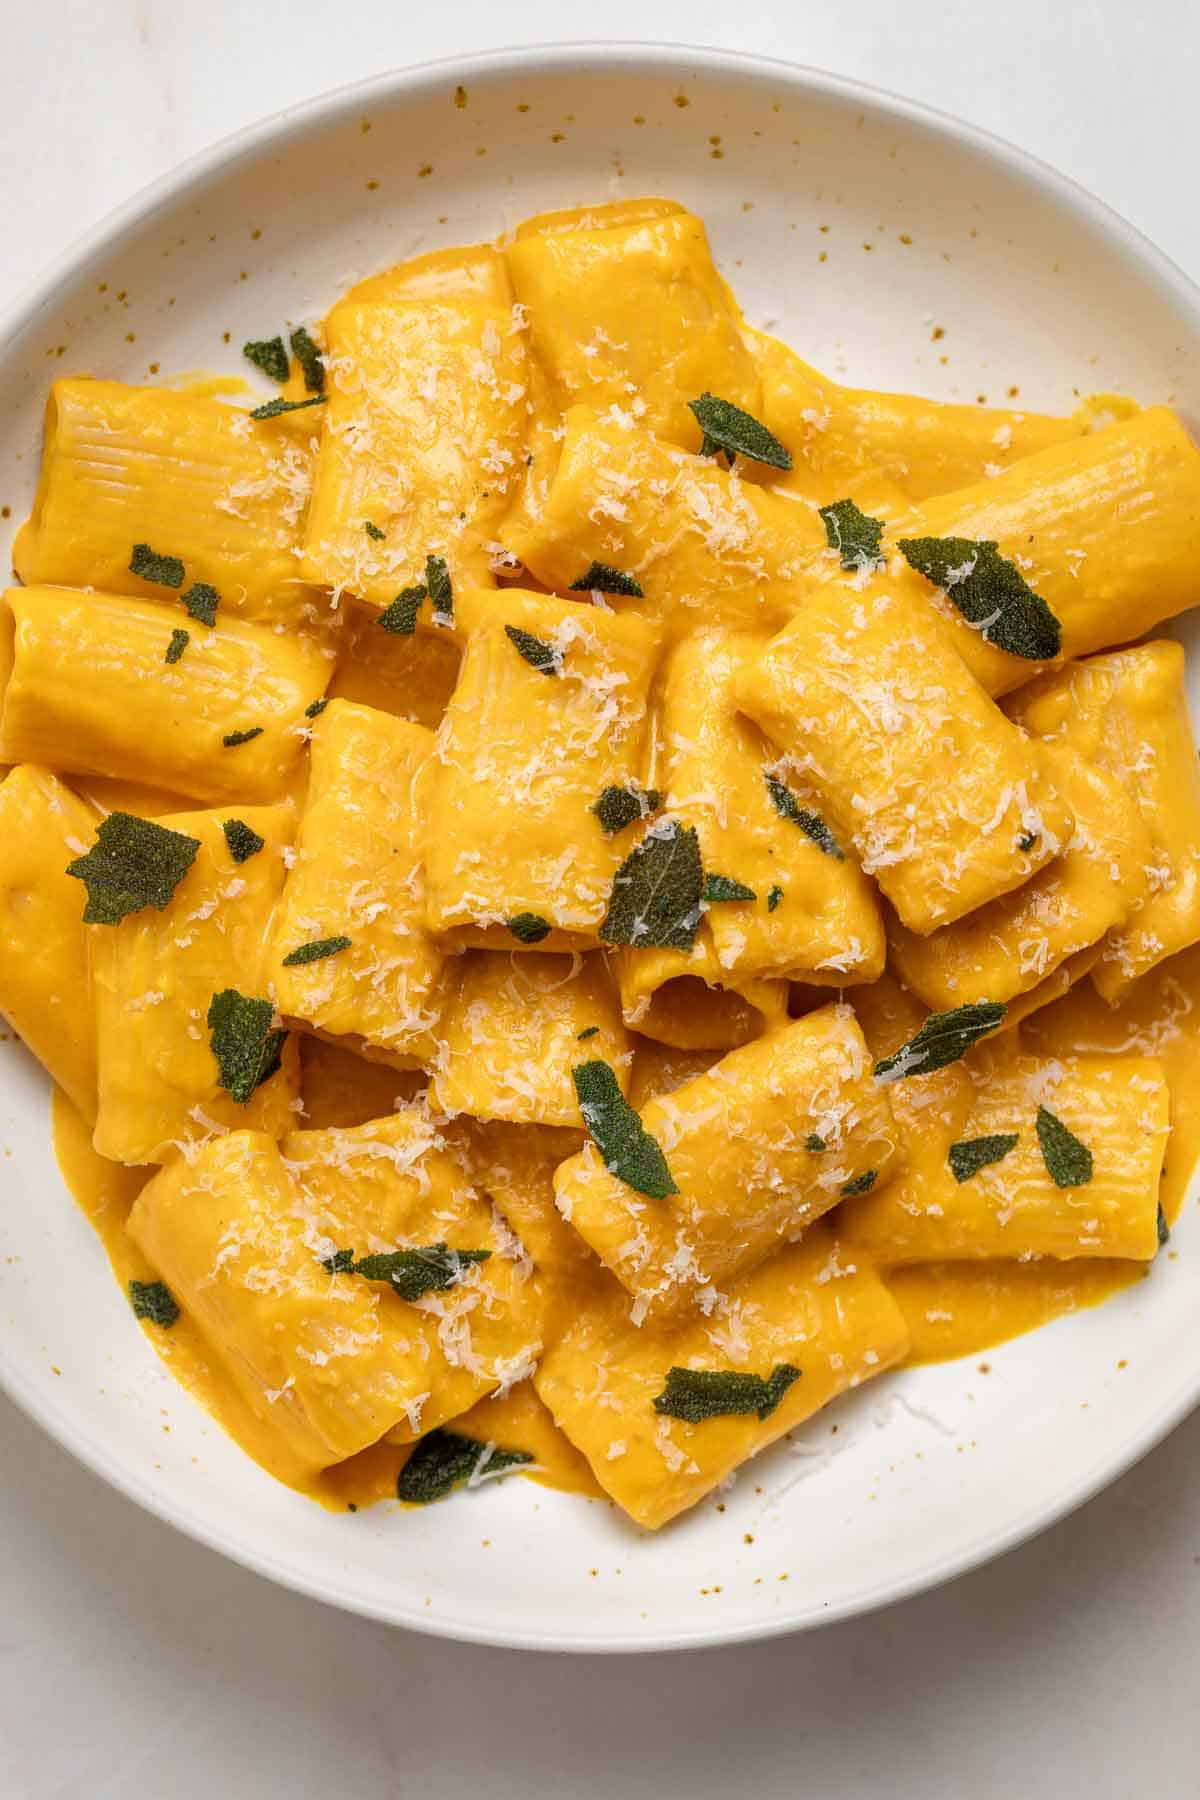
956, 1309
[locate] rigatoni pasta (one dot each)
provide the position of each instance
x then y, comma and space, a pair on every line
519, 828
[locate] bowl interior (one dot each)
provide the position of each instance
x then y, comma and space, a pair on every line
853, 226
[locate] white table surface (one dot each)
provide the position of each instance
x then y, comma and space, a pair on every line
133, 1662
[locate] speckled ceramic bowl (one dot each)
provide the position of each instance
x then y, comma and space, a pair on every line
850, 222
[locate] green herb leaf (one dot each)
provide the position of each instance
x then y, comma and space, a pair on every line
166, 571
441, 591
444, 1460
602, 578
133, 863
723, 887
241, 841
773, 898
248, 1052
618, 807
315, 951
273, 408
400, 617
153, 1300
729, 430
626, 1147
340, 1263
942, 1039
529, 928
815, 1143
810, 823
655, 900
990, 592
309, 357
373, 531
967, 1157
699, 1394
202, 601
178, 644
861, 1184
1068, 1162
1163, 1229
315, 709
232, 739
1027, 840
269, 355
537, 653
591, 1031
854, 534
423, 1269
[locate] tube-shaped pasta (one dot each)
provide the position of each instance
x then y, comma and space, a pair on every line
154, 977
1012, 945
817, 1321
45, 987
1117, 1108
187, 475
660, 1068
686, 999
320, 1358
357, 874
522, 755
814, 916
759, 1147
705, 546
1104, 528
429, 409
470, 273
393, 1185
631, 313
87, 688
410, 676
945, 802
836, 433
510, 1036
514, 1165
1128, 712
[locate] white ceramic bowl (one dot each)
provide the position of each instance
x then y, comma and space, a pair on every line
1035, 285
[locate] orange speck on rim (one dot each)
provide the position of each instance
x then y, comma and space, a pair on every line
682, 100
639, 118
716, 155
939, 331
102, 288
371, 186
481, 149
225, 337
460, 97
153, 369
424, 170
130, 338
557, 137
364, 125
522, 106
904, 238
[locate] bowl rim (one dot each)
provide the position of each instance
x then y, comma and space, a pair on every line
277, 130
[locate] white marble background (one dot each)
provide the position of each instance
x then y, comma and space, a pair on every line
134, 1663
